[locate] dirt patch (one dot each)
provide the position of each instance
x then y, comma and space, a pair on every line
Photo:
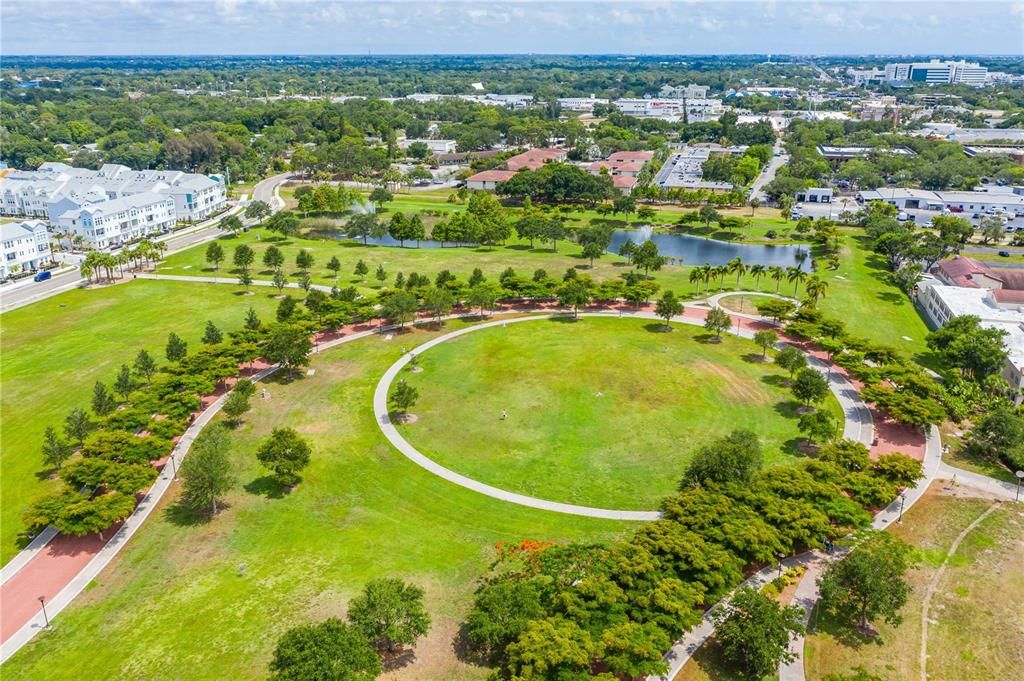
434, 657
736, 388
415, 370
405, 419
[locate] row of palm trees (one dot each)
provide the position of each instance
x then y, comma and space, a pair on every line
97, 263
814, 286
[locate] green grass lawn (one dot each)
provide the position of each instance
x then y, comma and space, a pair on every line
601, 412
198, 600
973, 610
56, 349
860, 294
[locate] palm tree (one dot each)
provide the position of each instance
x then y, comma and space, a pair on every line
696, 274
758, 271
85, 267
720, 272
816, 288
737, 267
709, 273
796, 276
778, 274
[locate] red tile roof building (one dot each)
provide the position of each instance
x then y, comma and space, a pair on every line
535, 158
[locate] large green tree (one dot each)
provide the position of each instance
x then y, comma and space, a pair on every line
206, 472
285, 453
390, 613
870, 582
328, 651
754, 632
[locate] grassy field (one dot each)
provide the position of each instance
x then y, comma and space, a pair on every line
953, 437
975, 628
762, 220
860, 294
56, 349
208, 600
601, 412
859, 291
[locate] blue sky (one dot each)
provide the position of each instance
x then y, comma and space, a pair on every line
552, 26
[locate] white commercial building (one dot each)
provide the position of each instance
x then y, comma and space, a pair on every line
696, 110
115, 222
690, 91
584, 104
954, 201
26, 247
55, 188
434, 146
942, 303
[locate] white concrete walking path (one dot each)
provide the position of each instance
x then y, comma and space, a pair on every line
807, 593
857, 424
223, 280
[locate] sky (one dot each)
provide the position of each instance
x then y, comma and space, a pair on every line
104, 27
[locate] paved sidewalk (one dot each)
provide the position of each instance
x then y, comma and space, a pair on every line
807, 593
857, 424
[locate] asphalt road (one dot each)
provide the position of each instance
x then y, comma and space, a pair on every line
768, 175
22, 293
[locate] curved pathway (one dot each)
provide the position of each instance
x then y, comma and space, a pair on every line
807, 593
34, 559
855, 426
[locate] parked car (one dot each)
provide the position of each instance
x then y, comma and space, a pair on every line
1004, 254
42, 276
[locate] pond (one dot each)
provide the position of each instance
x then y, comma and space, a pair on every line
691, 249
694, 250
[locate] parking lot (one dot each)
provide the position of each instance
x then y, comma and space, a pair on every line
920, 217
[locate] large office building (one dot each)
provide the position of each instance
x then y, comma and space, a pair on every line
933, 72
56, 188
937, 72
690, 91
693, 110
25, 247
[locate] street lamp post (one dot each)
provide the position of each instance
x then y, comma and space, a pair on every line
46, 619
1020, 476
174, 468
781, 556
903, 499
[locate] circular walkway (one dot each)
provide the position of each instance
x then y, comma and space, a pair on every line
853, 408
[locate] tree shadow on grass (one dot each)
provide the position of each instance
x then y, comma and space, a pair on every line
465, 651
755, 358
707, 338
657, 327
267, 486
847, 634
712, 662
776, 380
181, 514
892, 297
563, 319
789, 409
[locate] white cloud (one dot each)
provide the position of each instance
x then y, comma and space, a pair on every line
488, 26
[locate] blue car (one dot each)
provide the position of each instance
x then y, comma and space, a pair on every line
42, 276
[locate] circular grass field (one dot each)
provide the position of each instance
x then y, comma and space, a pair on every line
598, 412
